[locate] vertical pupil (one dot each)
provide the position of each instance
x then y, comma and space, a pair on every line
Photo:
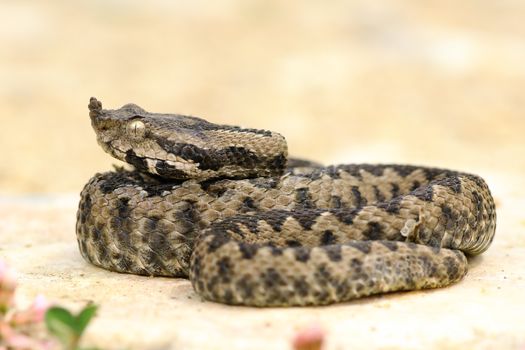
136, 128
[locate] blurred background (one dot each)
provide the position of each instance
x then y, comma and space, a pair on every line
436, 82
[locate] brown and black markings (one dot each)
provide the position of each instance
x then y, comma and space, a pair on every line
297, 235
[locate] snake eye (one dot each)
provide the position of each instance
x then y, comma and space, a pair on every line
136, 128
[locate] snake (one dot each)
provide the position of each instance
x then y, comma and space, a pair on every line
227, 208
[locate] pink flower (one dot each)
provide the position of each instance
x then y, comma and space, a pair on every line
310, 338
34, 314
39, 308
18, 341
7, 287
17, 328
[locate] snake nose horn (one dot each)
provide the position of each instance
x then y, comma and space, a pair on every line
95, 107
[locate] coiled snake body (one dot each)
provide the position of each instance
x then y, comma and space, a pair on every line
219, 204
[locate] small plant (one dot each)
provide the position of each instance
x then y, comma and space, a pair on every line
309, 338
68, 328
23, 329
20, 329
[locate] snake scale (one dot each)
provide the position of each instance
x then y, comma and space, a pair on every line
225, 207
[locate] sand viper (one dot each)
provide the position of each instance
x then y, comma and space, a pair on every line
225, 207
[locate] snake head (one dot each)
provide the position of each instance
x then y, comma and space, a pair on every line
181, 147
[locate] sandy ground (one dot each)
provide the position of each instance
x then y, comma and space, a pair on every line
437, 82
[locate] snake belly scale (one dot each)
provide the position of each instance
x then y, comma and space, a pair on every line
225, 207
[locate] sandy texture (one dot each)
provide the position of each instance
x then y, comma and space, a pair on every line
485, 310
438, 83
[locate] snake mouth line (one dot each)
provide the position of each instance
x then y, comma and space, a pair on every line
156, 166
123, 154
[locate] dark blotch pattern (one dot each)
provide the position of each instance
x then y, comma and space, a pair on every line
301, 287
363, 246
415, 185
328, 238
305, 218
245, 285
450, 218
424, 193
278, 162
123, 207
379, 196
478, 204
346, 216
395, 190
391, 245
293, 243
164, 169
333, 252
248, 250
359, 200
138, 162
188, 218
224, 268
151, 224
218, 240
303, 198
215, 159
248, 205
452, 267
392, 206
373, 231
302, 254
85, 209
453, 182
272, 278
336, 202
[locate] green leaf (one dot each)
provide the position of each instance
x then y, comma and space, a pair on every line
68, 328
61, 323
83, 318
